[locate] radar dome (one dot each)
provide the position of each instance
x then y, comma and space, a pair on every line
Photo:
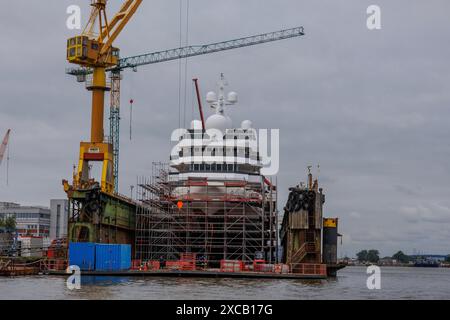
211, 97
232, 97
246, 124
218, 121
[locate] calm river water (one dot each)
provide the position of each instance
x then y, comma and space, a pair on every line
396, 283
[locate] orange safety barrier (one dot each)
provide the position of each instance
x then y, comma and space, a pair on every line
188, 261
231, 266
247, 267
281, 268
265, 267
180, 265
188, 256
136, 265
257, 265
153, 265
173, 265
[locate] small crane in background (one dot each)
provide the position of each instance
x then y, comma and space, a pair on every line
4, 149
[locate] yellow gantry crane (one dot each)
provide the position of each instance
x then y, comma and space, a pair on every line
94, 49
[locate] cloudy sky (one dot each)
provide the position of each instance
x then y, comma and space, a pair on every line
371, 107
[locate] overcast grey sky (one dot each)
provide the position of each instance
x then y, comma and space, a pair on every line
372, 107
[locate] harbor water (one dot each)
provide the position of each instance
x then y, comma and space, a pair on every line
396, 283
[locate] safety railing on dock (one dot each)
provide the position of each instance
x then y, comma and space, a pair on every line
17, 267
53, 265
188, 263
309, 269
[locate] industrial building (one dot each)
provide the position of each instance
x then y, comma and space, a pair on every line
59, 215
30, 220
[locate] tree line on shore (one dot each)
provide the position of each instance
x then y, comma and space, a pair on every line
8, 223
373, 256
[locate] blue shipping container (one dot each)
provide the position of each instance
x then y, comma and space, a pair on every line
82, 254
125, 257
107, 257
112, 257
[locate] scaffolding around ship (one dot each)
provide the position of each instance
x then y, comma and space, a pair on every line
218, 224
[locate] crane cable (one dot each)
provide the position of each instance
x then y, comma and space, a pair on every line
182, 92
186, 62
131, 104
180, 64
193, 93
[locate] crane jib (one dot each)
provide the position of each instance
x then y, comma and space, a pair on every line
191, 51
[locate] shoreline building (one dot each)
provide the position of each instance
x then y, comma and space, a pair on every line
30, 220
59, 215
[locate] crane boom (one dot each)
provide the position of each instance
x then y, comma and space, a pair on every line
118, 22
4, 145
191, 51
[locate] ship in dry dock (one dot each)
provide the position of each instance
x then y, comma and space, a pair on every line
210, 211
212, 199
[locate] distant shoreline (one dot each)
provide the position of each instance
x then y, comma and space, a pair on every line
395, 266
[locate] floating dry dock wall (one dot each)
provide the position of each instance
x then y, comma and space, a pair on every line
307, 237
